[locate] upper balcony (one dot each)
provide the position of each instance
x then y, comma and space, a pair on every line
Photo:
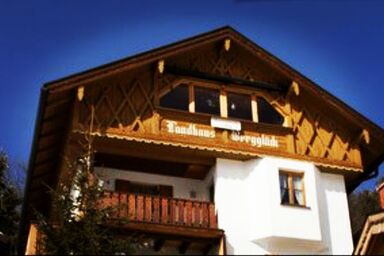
148, 209
187, 226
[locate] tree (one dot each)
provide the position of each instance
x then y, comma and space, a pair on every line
80, 223
9, 201
361, 205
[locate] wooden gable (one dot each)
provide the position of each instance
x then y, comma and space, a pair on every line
126, 105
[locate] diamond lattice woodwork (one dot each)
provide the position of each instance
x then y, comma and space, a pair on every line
126, 104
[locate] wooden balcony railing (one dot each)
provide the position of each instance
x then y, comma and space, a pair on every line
162, 210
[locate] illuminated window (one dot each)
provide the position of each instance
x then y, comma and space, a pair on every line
239, 106
267, 114
177, 98
207, 101
291, 188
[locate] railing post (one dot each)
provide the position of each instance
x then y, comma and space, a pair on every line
123, 206
164, 210
196, 214
204, 207
173, 211
156, 209
131, 207
140, 208
180, 205
114, 203
212, 216
188, 207
148, 208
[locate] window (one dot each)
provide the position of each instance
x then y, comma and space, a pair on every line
207, 101
125, 186
239, 106
177, 98
267, 114
218, 101
292, 188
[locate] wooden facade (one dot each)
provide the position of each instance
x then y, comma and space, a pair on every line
119, 105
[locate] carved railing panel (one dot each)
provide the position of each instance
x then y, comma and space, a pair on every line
161, 210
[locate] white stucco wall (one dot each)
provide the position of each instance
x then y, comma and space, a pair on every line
247, 198
334, 214
181, 187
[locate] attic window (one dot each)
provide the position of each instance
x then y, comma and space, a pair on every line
221, 101
239, 106
268, 114
207, 101
177, 98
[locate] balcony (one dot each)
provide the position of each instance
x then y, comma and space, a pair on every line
161, 210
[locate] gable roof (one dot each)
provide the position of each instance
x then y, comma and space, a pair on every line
162, 52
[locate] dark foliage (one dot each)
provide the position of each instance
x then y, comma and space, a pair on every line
9, 216
79, 225
361, 205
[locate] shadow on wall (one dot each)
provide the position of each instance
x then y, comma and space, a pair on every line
242, 174
229, 247
323, 188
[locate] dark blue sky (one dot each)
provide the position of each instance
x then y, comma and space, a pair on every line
337, 43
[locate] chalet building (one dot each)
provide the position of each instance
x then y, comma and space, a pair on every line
215, 145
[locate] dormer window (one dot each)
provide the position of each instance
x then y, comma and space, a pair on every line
207, 101
221, 101
268, 114
177, 98
239, 106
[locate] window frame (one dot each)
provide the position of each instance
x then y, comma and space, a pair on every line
223, 101
291, 189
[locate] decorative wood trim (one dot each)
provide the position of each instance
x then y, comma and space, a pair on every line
227, 44
255, 113
156, 98
191, 95
223, 104
31, 248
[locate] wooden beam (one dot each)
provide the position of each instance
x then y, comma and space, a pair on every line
227, 44
191, 94
223, 104
136, 149
184, 247
294, 89
31, 248
191, 233
226, 79
255, 115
